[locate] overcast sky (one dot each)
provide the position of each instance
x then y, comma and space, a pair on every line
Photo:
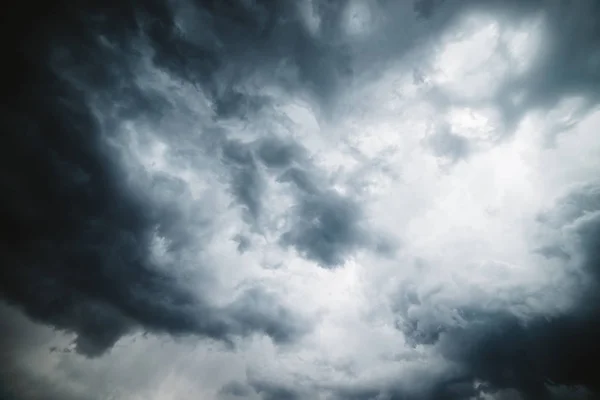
300, 200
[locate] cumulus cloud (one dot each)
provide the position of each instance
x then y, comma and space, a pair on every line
299, 200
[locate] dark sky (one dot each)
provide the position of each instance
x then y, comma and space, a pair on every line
300, 199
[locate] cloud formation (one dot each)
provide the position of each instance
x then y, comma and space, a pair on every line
248, 199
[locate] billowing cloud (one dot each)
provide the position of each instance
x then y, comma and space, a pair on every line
300, 200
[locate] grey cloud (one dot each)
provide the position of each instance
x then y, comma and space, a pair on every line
77, 235
236, 104
236, 389
425, 8
446, 143
17, 382
554, 251
442, 388
257, 311
278, 154
583, 199
324, 226
529, 357
533, 358
569, 65
301, 179
326, 229
75, 248
262, 389
275, 391
248, 38
247, 184
243, 242
566, 66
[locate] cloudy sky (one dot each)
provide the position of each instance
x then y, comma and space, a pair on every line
301, 199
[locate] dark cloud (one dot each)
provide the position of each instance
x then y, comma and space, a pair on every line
531, 357
239, 105
258, 311
446, 143
278, 154
240, 39
326, 226
554, 251
275, 391
425, 8
243, 242
260, 389
444, 388
77, 233
78, 229
569, 64
246, 182
236, 389
76, 248
325, 229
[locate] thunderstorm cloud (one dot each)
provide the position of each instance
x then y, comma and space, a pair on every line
290, 200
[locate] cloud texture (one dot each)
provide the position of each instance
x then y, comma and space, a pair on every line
313, 199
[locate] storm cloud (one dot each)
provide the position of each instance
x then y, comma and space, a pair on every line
249, 199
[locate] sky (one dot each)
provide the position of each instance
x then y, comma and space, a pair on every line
301, 199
